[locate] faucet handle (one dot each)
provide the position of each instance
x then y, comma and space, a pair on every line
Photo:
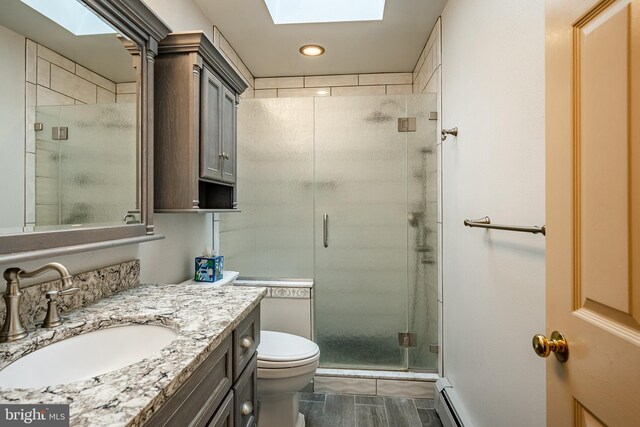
53, 319
69, 291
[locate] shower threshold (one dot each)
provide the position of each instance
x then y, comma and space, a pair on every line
375, 383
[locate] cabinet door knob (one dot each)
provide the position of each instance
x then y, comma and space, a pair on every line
224, 156
246, 409
246, 343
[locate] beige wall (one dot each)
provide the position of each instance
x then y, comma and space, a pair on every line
494, 281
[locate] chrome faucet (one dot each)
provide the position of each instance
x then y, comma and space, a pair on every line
13, 329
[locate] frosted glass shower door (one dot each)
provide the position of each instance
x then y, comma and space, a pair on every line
89, 177
98, 163
273, 235
361, 266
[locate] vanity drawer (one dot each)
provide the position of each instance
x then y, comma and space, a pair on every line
246, 392
246, 338
199, 397
224, 416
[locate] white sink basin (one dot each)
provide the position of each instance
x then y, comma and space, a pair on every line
86, 356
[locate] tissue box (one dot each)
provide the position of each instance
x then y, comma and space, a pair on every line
209, 269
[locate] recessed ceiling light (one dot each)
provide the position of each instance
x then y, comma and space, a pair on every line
312, 50
322, 92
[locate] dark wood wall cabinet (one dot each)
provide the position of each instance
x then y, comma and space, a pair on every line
197, 92
223, 389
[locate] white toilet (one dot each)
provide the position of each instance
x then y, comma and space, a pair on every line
286, 364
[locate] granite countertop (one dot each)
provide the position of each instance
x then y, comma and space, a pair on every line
203, 316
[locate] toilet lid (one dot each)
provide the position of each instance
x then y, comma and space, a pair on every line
281, 347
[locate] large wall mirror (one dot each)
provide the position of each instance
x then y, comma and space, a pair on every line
75, 116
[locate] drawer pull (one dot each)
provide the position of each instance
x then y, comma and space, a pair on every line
246, 409
246, 343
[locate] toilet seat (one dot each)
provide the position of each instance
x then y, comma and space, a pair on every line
291, 364
287, 372
278, 350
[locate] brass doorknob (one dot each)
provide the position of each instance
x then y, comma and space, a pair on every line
544, 346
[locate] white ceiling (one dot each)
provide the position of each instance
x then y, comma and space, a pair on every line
391, 45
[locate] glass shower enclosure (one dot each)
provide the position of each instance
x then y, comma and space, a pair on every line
90, 175
331, 189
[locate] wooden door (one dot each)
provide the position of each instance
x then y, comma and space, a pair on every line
211, 156
593, 210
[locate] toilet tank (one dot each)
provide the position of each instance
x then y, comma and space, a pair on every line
287, 307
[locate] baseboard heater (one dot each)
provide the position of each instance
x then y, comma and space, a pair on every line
449, 407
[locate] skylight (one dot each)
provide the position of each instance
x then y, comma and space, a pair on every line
71, 15
314, 11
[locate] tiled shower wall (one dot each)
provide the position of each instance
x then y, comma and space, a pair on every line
52, 79
234, 59
426, 74
336, 85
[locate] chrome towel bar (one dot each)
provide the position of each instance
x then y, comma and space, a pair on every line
485, 222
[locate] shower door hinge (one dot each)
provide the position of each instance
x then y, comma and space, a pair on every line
60, 133
406, 124
407, 339
434, 348
38, 127
433, 115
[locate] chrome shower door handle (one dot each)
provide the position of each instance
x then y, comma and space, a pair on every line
325, 230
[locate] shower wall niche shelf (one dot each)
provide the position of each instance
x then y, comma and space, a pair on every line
197, 93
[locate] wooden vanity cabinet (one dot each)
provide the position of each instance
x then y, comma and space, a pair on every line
198, 399
197, 93
222, 391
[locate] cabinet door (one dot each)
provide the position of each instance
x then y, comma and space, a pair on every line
246, 339
246, 396
228, 124
211, 157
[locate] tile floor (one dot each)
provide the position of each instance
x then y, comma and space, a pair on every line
340, 410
